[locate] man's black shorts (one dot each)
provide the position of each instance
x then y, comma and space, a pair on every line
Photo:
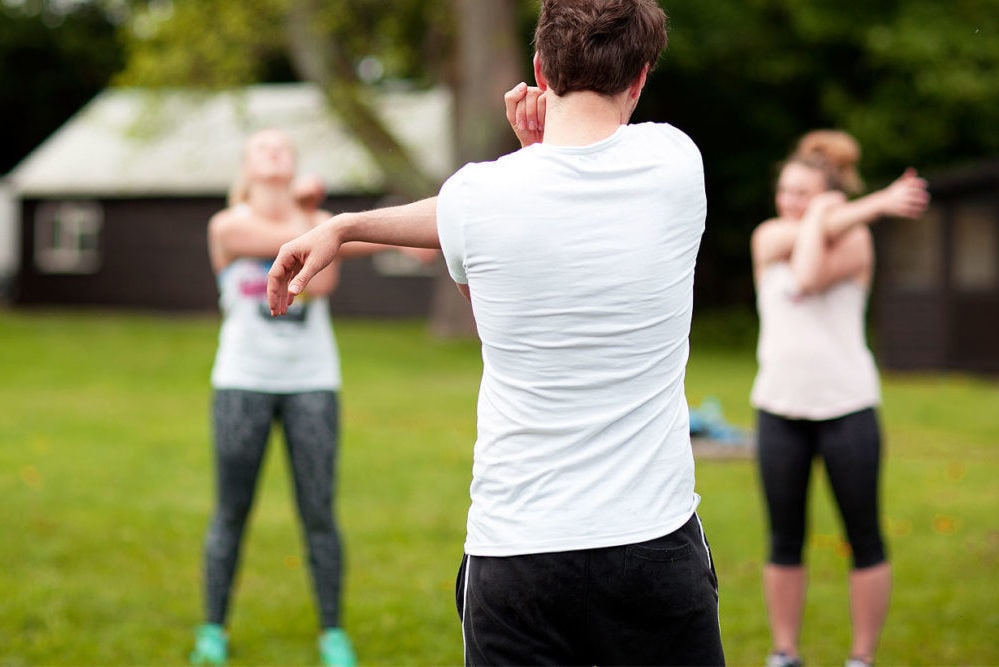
651, 603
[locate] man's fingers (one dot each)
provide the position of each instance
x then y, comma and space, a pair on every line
533, 116
298, 283
511, 101
310, 267
284, 271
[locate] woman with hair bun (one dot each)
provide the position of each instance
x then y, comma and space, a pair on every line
817, 389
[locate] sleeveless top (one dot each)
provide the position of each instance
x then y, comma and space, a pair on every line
814, 362
257, 352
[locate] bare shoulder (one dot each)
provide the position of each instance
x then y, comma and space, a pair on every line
220, 228
773, 234
857, 245
851, 257
225, 219
771, 226
857, 238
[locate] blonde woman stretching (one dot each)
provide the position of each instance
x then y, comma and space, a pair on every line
272, 370
817, 387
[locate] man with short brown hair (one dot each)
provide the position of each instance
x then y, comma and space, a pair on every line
577, 252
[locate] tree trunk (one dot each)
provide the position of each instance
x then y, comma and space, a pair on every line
487, 64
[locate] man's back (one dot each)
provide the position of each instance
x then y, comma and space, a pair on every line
580, 265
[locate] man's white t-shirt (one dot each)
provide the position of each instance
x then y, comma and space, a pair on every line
580, 262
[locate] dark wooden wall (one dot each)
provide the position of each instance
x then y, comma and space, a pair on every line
154, 257
940, 324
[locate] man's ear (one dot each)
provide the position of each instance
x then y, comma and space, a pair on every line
539, 77
635, 90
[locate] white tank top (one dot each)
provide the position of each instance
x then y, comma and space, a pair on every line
258, 352
814, 362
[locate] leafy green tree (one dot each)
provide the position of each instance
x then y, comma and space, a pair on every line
52, 61
916, 81
332, 43
223, 43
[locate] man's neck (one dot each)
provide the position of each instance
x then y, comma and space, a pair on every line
582, 118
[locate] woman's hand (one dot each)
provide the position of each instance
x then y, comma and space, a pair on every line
906, 197
821, 203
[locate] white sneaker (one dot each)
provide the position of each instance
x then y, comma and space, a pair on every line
784, 660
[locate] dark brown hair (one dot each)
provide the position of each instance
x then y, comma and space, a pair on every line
598, 45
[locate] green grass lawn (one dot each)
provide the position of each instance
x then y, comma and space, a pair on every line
106, 484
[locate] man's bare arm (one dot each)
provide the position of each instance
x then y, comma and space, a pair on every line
413, 225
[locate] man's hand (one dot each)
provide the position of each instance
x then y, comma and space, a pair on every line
411, 225
297, 262
525, 111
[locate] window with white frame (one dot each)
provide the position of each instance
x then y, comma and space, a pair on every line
67, 237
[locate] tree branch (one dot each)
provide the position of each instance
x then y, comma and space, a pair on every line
319, 59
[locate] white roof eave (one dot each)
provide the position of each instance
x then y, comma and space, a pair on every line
148, 143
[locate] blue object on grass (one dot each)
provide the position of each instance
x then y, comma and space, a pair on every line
707, 421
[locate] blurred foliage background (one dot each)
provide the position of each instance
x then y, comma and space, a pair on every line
917, 81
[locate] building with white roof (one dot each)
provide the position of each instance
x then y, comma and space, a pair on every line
111, 209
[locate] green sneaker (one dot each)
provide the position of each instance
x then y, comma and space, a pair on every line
211, 646
335, 649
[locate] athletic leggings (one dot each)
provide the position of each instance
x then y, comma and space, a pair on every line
850, 448
242, 424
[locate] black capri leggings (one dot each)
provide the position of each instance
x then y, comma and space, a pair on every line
850, 448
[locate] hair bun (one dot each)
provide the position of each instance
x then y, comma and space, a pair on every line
838, 147
838, 151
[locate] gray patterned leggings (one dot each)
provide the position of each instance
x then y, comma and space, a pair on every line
241, 425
